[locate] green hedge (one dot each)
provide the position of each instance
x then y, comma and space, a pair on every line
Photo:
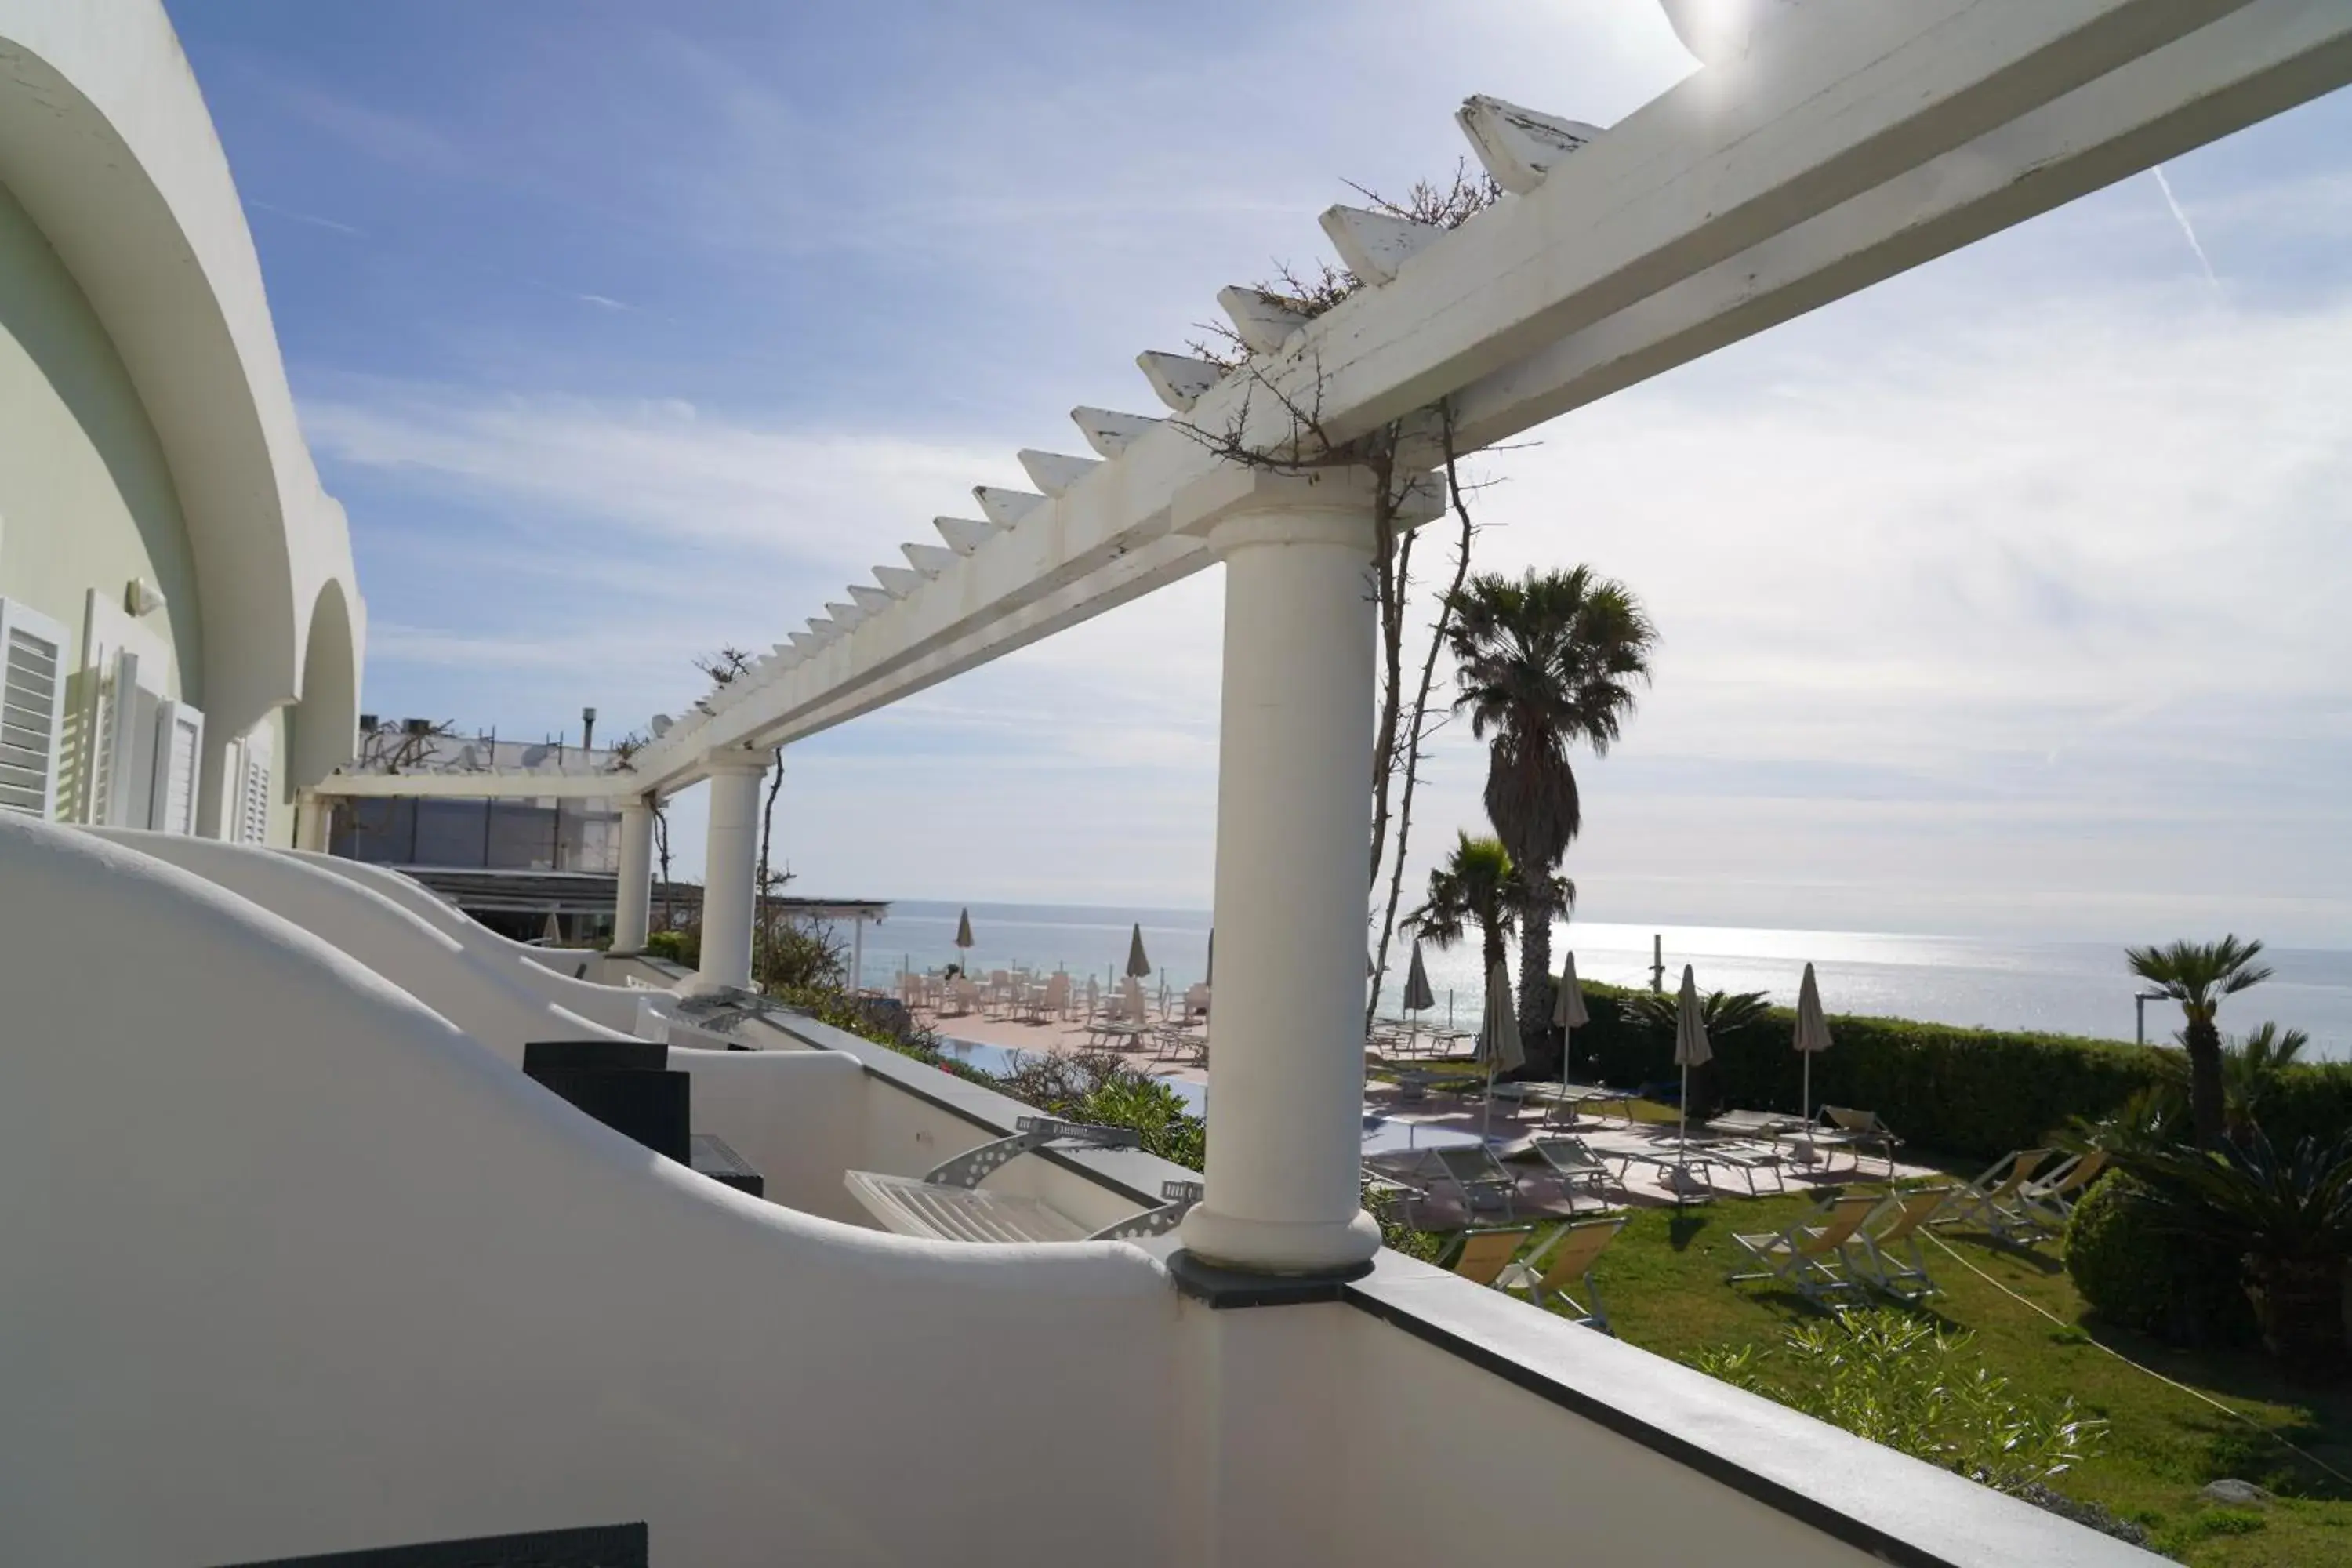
1973, 1093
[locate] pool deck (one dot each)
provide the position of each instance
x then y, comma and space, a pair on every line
1400, 1134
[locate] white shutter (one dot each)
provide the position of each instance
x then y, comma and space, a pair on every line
126, 775
254, 782
31, 708
179, 751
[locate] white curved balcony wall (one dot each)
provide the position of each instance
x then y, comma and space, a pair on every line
800, 1117
489, 1002
536, 968
291, 1238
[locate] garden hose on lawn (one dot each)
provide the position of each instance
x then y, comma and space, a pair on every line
2310, 1459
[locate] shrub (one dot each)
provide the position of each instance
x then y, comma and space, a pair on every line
1897, 1381
2117, 1250
1973, 1093
2135, 1270
681, 946
2287, 1213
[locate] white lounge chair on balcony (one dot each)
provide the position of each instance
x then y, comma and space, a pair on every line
948, 1204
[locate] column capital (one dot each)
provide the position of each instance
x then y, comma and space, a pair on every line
1235, 505
735, 760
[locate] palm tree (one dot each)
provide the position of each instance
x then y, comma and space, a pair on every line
2197, 975
1477, 888
1543, 662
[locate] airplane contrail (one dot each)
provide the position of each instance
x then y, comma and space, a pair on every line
2187, 230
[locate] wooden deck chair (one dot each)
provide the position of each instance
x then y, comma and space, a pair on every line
2050, 1202
1809, 1256
1567, 1260
1991, 1199
1484, 1255
1888, 1258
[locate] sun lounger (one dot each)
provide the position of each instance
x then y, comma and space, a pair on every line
1568, 1103
1572, 1161
1809, 1256
2050, 1202
949, 1205
1567, 1258
1749, 1159
1993, 1200
1884, 1253
1472, 1174
1855, 1131
1483, 1255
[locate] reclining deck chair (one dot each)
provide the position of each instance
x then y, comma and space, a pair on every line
2051, 1202
1472, 1174
1992, 1198
1484, 1255
1567, 1258
948, 1204
1572, 1161
1855, 1131
1807, 1257
1889, 1258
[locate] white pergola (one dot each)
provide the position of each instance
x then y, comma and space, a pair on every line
1822, 147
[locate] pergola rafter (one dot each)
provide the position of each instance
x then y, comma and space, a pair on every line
1850, 144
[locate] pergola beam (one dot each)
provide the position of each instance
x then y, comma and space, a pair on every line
1853, 143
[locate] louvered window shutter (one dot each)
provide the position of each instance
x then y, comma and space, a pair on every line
32, 710
179, 751
253, 789
126, 774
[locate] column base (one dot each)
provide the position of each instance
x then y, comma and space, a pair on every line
1280, 1247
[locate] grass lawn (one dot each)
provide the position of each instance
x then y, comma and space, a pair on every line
1663, 1285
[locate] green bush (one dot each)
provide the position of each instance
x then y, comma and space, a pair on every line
2116, 1251
1971, 1093
1897, 1380
683, 946
2136, 1270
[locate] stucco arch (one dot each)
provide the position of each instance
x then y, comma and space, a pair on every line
105, 143
322, 728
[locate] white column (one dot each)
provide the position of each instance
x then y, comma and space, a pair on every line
731, 858
313, 819
633, 893
1294, 824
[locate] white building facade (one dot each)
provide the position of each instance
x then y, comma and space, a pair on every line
182, 623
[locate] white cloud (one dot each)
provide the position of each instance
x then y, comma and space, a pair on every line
660, 469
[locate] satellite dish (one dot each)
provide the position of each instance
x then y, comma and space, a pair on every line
659, 725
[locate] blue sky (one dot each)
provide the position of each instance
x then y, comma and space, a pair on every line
2004, 599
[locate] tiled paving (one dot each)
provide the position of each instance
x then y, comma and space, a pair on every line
1400, 1133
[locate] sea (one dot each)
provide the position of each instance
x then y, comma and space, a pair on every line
2062, 987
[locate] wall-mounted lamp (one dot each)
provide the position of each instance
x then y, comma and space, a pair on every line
142, 597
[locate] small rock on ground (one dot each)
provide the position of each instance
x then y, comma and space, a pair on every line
2235, 1492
